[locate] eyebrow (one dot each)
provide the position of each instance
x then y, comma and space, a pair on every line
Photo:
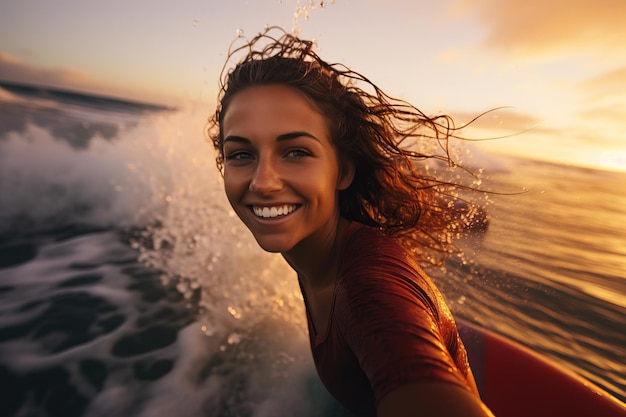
280, 138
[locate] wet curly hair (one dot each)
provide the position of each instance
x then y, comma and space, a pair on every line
382, 136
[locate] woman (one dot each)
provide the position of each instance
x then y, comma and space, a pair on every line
313, 166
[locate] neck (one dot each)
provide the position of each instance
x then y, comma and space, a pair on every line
316, 259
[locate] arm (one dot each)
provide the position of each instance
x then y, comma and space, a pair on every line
432, 399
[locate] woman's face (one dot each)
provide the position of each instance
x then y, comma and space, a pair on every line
281, 171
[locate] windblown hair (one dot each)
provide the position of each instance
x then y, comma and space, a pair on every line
374, 131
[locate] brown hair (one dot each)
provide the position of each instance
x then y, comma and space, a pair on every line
390, 190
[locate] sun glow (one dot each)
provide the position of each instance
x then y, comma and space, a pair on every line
612, 160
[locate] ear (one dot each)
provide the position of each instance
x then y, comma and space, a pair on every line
346, 174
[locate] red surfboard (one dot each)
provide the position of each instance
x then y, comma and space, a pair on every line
514, 381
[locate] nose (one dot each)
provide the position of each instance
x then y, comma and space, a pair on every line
266, 178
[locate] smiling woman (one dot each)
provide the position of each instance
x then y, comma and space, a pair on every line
279, 159
314, 166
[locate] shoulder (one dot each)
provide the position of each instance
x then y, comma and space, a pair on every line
377, 275
377, 263
365, 237
364, 248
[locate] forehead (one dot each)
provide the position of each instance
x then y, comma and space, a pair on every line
280, 104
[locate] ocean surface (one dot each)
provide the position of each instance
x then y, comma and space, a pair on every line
129, 288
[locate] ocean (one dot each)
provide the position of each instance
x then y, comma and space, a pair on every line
128, 287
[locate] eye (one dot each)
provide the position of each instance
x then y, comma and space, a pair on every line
238, 156
298, 153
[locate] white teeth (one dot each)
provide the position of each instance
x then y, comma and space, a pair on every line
270, 212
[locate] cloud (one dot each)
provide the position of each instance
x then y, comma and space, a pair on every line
540, 27
608, 82
604, 99
12, 69
610, 114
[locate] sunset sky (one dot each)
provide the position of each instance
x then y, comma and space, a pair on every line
558, 65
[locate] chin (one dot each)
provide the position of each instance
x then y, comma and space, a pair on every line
273, 247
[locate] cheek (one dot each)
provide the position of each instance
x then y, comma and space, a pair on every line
232, 187
327, 194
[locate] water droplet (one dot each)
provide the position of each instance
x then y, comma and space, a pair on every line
239, 32
233, 312
234, 338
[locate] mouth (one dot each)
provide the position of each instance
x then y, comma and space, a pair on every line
272, 212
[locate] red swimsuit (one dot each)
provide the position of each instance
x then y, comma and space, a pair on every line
389, 326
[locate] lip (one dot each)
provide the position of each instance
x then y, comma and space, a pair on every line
272, 220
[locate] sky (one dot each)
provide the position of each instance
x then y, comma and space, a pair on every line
557, 68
